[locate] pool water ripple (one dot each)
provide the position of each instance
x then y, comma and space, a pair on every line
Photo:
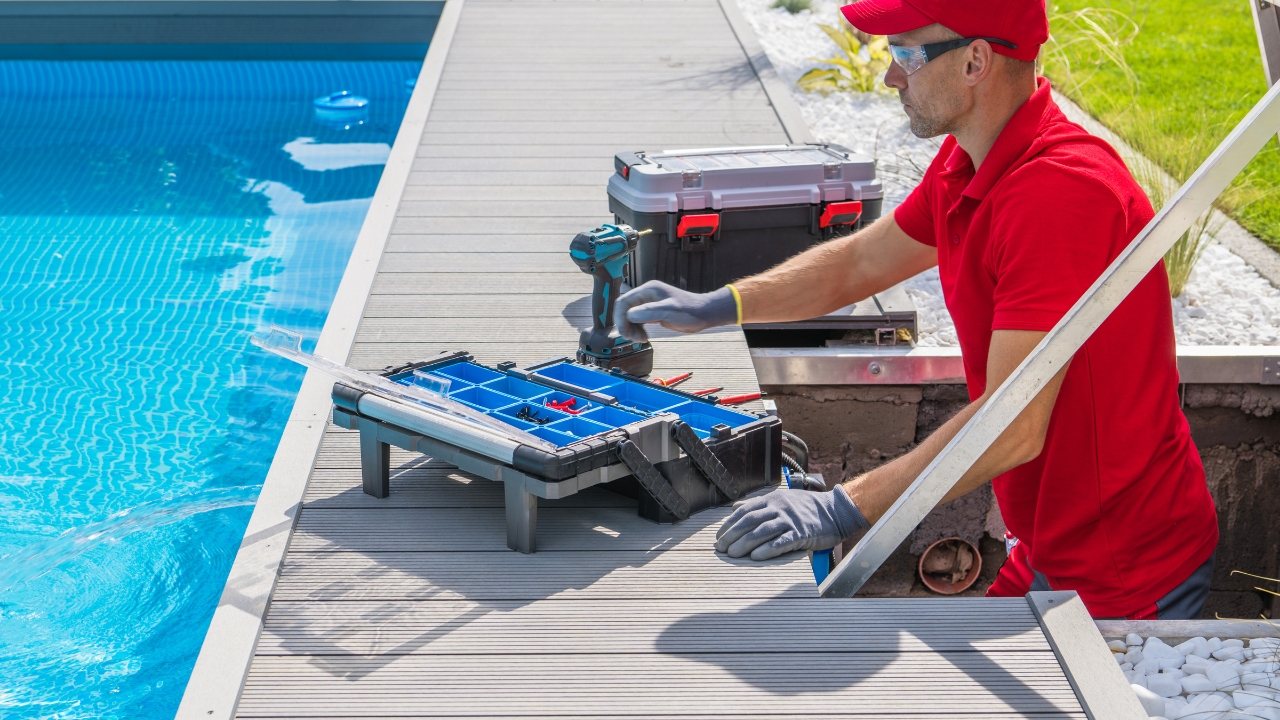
151, 221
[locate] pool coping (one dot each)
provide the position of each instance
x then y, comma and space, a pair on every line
213, 690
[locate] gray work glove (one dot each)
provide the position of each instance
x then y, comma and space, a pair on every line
673, 308
786, 520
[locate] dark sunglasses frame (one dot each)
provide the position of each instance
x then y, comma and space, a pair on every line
932, 51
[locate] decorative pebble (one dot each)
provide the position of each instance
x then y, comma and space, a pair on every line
1254, 698
1196, 664
1164, 686
1193, 684
1151, 702
1229, 653
1134, 656
1186, 647
1174, 673
1224, 677
1118, 646
1133, 639
1150, 666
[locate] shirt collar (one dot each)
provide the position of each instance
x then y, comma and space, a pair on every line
1013, 142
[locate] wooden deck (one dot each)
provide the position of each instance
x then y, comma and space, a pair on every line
413, 607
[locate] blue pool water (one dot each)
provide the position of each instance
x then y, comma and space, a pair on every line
152, 216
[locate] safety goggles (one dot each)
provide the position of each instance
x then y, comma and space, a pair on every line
913, 57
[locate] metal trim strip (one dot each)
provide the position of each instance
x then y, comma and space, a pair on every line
872, 365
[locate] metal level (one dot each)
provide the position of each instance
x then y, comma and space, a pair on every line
1057, 348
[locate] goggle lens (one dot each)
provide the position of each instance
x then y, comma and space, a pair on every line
909, 59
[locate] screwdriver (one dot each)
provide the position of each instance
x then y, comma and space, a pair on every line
671, 381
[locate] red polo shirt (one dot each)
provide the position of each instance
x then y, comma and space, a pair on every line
1116, 506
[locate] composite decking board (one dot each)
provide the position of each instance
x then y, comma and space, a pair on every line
411, 606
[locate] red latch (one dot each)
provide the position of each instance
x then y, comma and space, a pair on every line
841, 213
699, 225
625, 170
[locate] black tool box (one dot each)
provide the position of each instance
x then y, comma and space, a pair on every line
719, 215
674, 452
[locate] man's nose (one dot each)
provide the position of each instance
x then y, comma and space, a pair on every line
895, 77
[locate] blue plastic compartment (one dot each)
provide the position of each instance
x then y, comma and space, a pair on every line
580, 405
580, 377
558, 438
701, 417
650, 399
520, 424
468, 372
516, 387
612, 416
484, 398
579, 426
455, 385
512, 411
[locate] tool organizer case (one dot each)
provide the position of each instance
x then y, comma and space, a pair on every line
674, 452
719, 215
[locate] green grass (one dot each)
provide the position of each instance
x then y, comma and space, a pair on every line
1199, 72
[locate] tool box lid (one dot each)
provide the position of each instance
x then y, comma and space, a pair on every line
742, 177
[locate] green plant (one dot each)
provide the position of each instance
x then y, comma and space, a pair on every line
1084, 41
1160, 183
865, 57
792, 6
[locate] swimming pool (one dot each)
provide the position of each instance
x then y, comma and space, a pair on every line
153, 214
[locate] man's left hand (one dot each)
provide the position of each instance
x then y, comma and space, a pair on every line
787, 520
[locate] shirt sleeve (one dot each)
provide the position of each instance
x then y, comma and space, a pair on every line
1055, 232
915, 214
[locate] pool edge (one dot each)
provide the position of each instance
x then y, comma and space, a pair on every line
213, 690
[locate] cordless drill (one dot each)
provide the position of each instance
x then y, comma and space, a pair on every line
603, 253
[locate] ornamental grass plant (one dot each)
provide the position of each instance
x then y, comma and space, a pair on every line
1160, 186
861, 64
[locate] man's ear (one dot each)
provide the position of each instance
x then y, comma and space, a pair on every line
978, 62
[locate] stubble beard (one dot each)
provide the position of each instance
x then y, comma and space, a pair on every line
926, 122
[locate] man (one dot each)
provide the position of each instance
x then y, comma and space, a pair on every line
1021, 211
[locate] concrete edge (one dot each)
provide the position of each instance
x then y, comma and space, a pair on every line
1175, 631
871, 365
1096, 678
1235, 238
213, 691
793, 123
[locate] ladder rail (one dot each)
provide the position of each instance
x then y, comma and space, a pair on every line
1057, 348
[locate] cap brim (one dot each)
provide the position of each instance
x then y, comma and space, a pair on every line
885, 17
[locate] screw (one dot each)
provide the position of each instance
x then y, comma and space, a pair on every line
874, 368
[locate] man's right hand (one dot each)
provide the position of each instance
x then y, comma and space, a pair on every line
673, 309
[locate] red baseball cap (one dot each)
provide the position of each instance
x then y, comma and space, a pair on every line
1021, 22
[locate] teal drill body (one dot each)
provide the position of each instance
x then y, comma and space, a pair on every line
603, 253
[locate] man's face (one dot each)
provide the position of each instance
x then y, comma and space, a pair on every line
933, 96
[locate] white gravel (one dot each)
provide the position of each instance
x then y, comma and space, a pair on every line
1225, 302
1204, 679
